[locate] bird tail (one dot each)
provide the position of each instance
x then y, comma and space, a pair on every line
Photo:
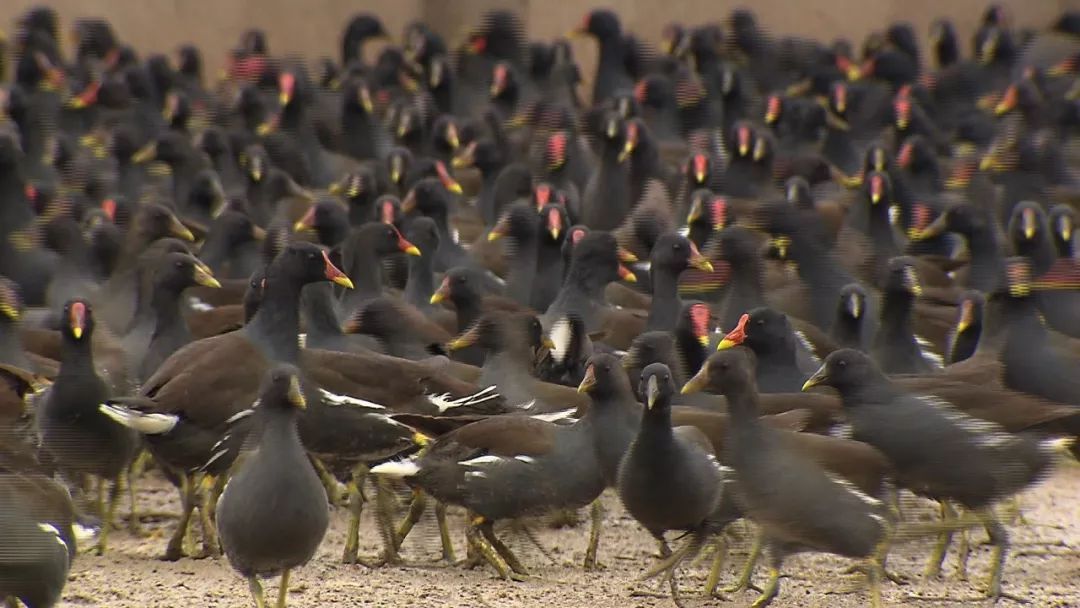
147, 424
399, 469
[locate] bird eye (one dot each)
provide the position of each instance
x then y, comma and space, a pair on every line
761, 321
311, 255
841, 363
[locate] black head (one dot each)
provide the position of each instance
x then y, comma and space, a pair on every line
916, 155
500, 35
709, 209
597, 256
519, 222
281, 389
424, 234
656, 92
962, 217
845, 369
154, 221
797, 192
445, 133
1028, 227
189, 61
356, 96
237, 226
176, 272
651, 347
460, 286
388, 210
902, 277
427, 197
1063, 223
382, 239
207, 192
360, 29
854, 303
698, 169
604, 377
728, 372
302, 263
355, 186
78, 324
969, 311
328, 218
877, 189
762, 330
553, 222
657, 386
602, 23
502, 331
398, 162
504, 82
483, 154
676, 253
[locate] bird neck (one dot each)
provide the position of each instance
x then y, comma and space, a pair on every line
896, 315
165, 307
421, 282
666, 305
76, 357
656, 421
317, 309
743, 405
276, 326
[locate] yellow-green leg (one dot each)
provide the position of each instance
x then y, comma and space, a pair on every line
485, 550
207, 515
351, 554
256, 592
487, 529
110, 515
444, 534
283, 590
770, 590
937, 556
175, 548
384, 507
596, 515
711, 583
416, 510
999, 537
747, 573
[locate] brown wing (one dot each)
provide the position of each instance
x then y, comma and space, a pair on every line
208, 380
507, 436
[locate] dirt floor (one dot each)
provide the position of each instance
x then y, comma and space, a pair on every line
1043, 568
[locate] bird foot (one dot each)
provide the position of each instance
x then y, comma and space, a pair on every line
894, 577
593, 565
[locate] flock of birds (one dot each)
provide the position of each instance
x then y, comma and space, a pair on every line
440, 269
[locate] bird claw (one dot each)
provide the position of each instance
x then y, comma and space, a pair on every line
592, 565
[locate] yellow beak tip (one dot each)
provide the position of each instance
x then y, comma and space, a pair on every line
493, 236
413, 251
344, 281
725, 344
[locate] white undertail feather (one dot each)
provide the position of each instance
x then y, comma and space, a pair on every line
242, 414
84, 535
198, 305
51, 529
397, 468
336, 399
561, 334
853, 489
147, 424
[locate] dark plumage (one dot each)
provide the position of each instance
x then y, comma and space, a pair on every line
275, 488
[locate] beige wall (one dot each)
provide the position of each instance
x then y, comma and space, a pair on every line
313, 27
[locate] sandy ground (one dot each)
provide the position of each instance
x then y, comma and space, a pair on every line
1044, 567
